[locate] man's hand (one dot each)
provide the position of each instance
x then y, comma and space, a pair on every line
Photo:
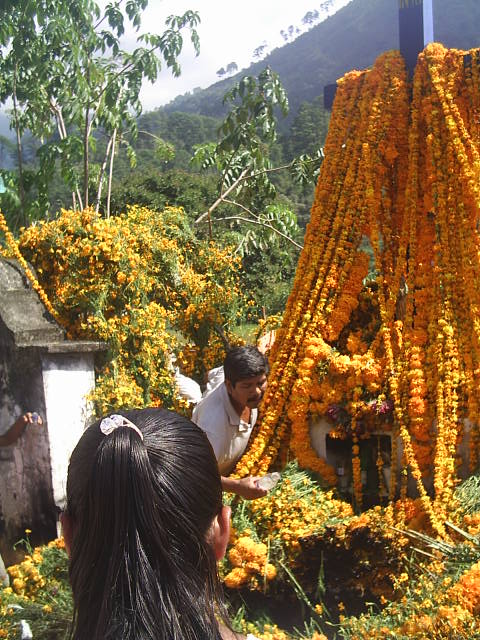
31, 418
18, 428
244, 487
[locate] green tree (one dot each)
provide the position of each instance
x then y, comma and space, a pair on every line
267, 276
310, 17
259, 51
156, 189
308, 130
178, 131
242, 157
68, 79
231, 68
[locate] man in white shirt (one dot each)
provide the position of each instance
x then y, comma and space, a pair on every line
229, 412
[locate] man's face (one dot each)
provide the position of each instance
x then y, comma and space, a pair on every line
249, 391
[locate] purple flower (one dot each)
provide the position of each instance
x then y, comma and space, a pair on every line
385, 407
333, 412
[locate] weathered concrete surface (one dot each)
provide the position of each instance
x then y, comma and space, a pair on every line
22, 311
39, 371
68, 378
26, 495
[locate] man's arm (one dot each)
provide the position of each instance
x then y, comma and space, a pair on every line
204, 417
18, 427
244, 487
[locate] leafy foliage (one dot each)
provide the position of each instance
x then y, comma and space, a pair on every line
155, 190
243, 158
145, 286
68, 78
248, 129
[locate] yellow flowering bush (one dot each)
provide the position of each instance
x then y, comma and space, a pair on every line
264, 631
25, 577
28, 576
141, 283
297, 509
440, 602
38, 593
272, 537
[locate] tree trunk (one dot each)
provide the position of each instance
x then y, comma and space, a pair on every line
102, 172
62, 132
21, 190
85, 156
110, 172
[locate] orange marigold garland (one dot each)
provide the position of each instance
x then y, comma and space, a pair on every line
415, 201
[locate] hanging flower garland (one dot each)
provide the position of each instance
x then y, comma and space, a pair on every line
416, 198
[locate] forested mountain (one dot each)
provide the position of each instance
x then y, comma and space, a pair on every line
350, 39
152, 167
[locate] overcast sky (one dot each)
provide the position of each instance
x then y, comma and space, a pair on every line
229, 32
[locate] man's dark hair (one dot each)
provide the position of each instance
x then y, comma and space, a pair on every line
244, 362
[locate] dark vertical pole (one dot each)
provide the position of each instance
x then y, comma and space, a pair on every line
415, 18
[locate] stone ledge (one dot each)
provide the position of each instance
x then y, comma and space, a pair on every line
67, 346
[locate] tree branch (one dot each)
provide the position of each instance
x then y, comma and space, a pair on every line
242, 178
110, 172
62, 132
263, 224
86, 139
221, 197
117, 6
242, 206
21, 188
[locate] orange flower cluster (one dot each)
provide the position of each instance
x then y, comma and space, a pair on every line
466, 592
250, 567
434, 604
331, 269
269, 632
26, 577
401, 176
276, 529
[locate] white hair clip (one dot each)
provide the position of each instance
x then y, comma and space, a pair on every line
110, 423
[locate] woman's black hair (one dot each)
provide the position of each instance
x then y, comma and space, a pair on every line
141, 564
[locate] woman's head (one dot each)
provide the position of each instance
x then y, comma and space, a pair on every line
145, 525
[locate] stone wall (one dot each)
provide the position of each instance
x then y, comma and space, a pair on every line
39, 371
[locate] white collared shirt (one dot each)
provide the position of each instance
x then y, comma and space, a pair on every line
228, 435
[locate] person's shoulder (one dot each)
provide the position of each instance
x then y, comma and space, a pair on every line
211, 408
215, 377
214, 397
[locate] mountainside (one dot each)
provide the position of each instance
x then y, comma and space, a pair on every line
350, 39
